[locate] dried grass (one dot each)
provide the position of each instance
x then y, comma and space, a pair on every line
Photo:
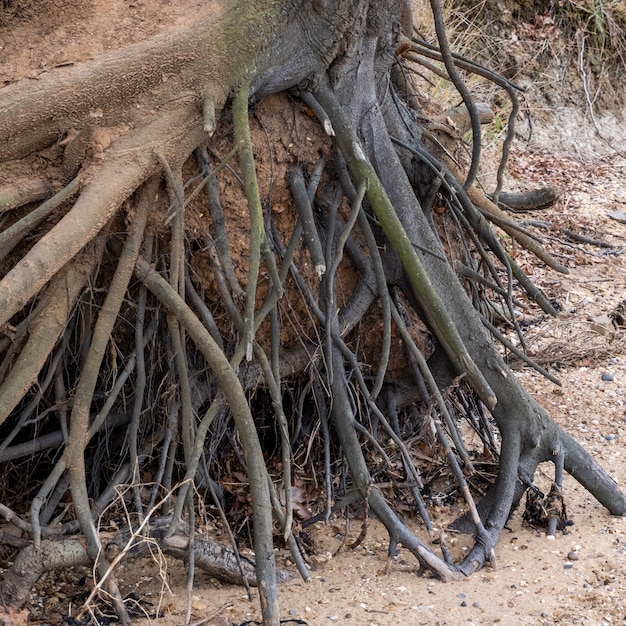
566, 346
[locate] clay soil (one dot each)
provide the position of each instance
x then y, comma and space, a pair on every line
579, 577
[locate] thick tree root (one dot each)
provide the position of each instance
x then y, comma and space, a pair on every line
529, 200
31, 563
212, 558
45, 325
231, 388
23, 193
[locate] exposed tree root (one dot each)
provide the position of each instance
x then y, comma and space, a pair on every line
24, 192
213, 558
32, 562
45, 325
344, 310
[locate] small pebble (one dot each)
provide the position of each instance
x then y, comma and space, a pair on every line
572, 556
568, 566
462, 595
476, 605
609, 437
292, 611
607, 377
463, 603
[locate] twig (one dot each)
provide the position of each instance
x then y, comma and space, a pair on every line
140, 387
134, 536
381, 279
202, 309
229, 532
273, 385
258, 238
570, 234
10, 237
461, 87
511, 89
191, 554
518, 353
217, 216
307, 220
481, 228
204, 620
